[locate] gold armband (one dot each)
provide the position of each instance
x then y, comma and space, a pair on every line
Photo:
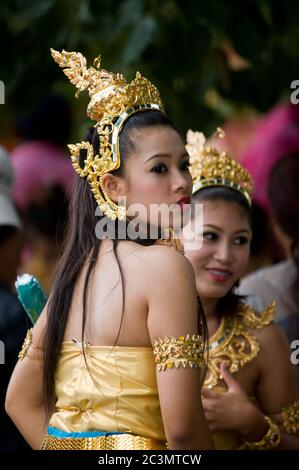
175, 352
270, 439
290, 417
26, 344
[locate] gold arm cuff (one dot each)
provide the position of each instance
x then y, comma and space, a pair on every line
112, 442
290, 417
183, 351
270, 440
26, 344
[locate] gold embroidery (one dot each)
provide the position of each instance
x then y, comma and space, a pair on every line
290, 417
234, 343
270, 440
26, 344
175, 352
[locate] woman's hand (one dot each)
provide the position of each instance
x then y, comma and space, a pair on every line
231, 410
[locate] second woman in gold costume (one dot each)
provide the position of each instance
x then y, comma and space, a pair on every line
249, 394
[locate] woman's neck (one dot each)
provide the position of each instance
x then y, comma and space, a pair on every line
213, 318
210, 307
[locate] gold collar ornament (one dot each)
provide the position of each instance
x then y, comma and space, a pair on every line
173, 241
234, 343
209, 167
113, 101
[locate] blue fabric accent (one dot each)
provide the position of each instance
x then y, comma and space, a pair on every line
62, 434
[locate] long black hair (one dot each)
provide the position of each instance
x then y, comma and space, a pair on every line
82, 246
229, 303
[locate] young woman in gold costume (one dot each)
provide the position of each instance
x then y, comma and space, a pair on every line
249, 394
87, 377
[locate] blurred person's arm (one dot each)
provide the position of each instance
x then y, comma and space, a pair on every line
24, 400
173, 313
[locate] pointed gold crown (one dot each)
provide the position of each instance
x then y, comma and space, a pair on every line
112, 101
209, 167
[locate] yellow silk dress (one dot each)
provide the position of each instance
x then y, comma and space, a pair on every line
116, 393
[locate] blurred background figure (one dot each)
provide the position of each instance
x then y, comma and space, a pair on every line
275, 135
13, 322
43, 181
280, 282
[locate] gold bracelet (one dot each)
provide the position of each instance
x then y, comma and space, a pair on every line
290, 417
270, 439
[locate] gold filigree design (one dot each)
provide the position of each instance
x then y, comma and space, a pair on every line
290, 417
254, 320
26, 344
112, 101
234, 343
185, 351
209, 167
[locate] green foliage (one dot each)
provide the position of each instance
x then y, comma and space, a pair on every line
177, 44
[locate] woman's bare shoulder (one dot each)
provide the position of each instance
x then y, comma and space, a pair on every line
271, 337
158, 260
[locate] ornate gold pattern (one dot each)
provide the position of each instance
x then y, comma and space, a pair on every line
254, 320
175, 352
112, 442
209, 167
26, 344
290, 417
269, 441
234, 343
113, 100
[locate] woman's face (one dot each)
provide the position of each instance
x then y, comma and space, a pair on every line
225, 235
157, 171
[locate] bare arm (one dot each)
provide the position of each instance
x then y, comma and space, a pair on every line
24, 400
173, 312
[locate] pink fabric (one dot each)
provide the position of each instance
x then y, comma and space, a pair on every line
39, 164
276, 135
238, 134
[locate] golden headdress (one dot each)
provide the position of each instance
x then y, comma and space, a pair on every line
209, 167
112, 101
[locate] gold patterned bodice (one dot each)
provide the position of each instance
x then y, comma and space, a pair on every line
234, 342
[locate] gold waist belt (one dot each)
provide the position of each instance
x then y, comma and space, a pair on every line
112, 442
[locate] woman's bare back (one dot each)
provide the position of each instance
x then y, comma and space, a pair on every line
116, 313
